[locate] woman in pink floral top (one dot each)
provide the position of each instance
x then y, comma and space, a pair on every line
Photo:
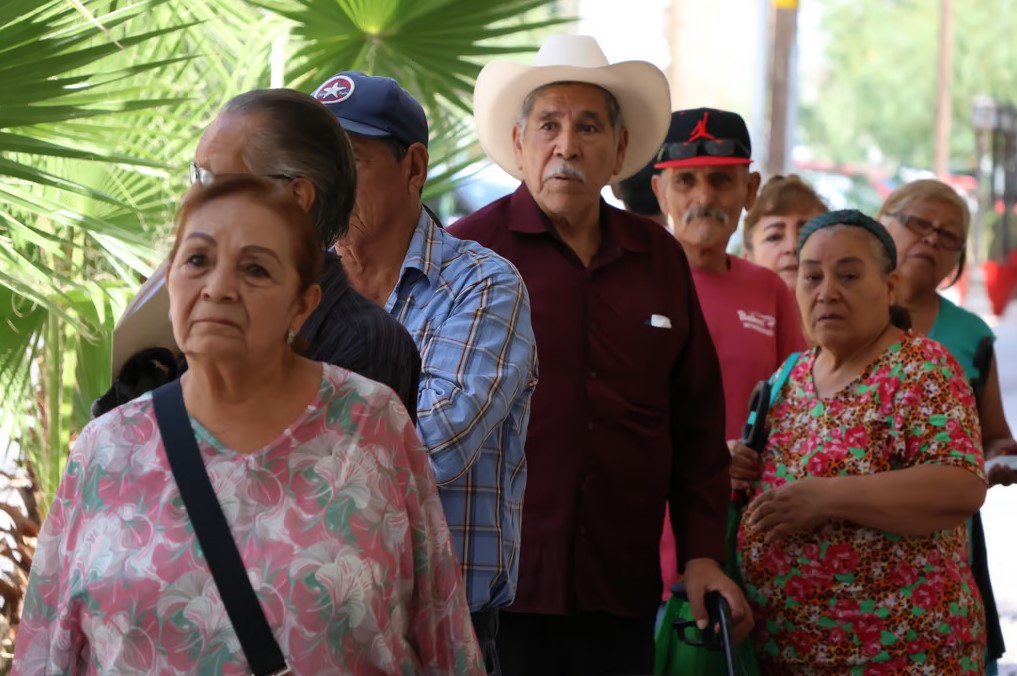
319, 472
853, 548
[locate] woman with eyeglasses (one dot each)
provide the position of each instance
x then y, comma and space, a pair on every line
929, 223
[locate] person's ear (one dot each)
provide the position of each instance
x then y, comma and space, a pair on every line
304, 192
623, 145
752, 189
892, 280
657, 183
416, 160
306, 304
517, 145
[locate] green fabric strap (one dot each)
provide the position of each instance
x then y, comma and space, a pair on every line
778, 380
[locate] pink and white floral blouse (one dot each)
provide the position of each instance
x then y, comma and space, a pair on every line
337, 520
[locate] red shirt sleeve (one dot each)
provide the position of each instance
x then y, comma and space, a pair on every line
790, 337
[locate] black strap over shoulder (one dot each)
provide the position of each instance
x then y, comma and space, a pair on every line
213, 533
983, 364
979, 555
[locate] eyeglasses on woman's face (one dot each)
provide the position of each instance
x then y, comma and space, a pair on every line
206, 177
950, 241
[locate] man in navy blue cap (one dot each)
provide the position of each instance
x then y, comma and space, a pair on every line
703, 186
469, 313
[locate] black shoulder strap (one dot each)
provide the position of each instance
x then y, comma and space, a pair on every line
979, 556
983, 364
213, 533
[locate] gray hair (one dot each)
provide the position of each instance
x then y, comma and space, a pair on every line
614, 113
298, 136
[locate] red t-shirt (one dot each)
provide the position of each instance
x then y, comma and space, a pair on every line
753, 321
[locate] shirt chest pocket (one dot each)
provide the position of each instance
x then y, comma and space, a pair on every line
638, 361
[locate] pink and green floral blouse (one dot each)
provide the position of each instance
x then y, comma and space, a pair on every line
337, 521
845, 599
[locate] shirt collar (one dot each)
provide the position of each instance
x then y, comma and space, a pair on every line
424, 253
531, 220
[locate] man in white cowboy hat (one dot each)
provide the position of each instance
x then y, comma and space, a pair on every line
629, 412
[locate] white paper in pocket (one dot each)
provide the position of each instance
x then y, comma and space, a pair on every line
660, 322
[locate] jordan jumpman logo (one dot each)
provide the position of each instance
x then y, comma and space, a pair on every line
699, 131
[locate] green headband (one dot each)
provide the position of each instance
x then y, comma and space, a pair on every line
851, 217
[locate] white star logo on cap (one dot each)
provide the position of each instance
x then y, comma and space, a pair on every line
335, 90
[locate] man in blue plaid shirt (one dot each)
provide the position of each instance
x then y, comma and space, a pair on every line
469, 313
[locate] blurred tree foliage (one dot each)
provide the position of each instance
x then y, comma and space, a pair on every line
876, 95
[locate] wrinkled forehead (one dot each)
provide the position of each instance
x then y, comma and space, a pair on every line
838, 243
235, 220
221, 148
706, 171
571, 97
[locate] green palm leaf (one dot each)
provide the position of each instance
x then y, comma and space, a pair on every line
101, 114
434, 48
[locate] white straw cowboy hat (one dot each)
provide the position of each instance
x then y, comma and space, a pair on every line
640, 88
145, 323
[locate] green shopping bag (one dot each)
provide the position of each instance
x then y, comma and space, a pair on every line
676, 656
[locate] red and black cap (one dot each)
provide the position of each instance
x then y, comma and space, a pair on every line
705, 137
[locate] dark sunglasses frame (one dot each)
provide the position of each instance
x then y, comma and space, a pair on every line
923, 226
687, 150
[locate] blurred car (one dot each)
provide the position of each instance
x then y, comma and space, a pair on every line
474, 189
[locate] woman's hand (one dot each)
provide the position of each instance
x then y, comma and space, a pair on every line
744, 465
791, 508
999, 475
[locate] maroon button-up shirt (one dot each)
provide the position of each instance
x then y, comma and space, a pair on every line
628, 413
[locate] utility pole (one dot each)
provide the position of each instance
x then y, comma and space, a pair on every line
944, 110
785, 27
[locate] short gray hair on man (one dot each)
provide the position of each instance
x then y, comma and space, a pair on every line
614, 114
296, 135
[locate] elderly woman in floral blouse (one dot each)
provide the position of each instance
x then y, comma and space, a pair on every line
853, 547
319, 472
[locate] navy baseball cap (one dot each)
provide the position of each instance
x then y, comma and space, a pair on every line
372, 105
705, 137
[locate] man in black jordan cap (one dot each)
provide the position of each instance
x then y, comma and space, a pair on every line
703, 186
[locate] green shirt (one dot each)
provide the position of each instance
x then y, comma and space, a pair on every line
959, 331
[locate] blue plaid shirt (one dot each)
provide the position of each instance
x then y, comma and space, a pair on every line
469, 314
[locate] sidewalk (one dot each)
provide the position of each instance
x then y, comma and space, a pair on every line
1001, 504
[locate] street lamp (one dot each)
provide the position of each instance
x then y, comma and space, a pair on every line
983, 119
983, 109
1008, 183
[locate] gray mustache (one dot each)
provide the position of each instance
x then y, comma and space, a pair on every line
704, 212
565, 169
